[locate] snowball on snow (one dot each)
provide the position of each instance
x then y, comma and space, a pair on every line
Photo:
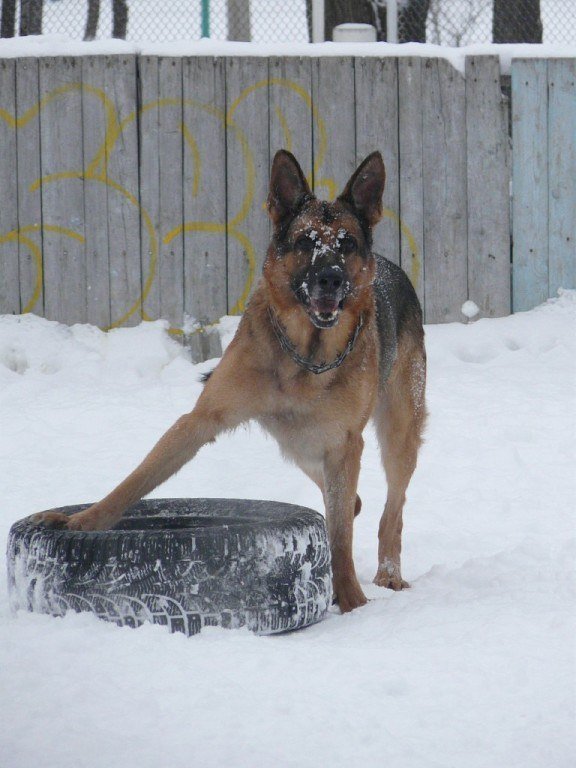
470, 309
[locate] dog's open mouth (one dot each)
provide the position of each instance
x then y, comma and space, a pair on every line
325, 311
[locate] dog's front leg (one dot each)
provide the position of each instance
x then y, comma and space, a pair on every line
223, 405
174, 449
341, 469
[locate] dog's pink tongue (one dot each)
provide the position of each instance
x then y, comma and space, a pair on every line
324, 305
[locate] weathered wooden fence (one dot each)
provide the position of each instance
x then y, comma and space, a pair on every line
544, 179
134, 187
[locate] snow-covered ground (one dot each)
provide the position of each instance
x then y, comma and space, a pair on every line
474, 667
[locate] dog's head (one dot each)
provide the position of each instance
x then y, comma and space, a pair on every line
320, 256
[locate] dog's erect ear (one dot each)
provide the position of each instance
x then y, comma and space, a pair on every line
288, 186
365, 188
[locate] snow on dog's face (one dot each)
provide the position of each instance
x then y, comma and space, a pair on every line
320, 256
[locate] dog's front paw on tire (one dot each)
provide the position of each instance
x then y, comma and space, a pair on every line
51, 519
349, 595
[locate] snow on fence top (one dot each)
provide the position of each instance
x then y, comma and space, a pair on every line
61, 45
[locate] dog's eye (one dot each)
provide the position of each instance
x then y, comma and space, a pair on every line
304, 243
348, 244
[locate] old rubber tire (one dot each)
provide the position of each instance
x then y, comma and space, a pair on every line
184, 563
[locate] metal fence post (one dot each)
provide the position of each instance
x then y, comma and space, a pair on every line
392, 21
205, 18
318, 21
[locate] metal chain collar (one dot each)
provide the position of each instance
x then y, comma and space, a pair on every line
305, 362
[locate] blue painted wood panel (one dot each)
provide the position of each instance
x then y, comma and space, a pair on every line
530, 183
562, 174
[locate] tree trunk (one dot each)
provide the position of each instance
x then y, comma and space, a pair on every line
239, 20
517, 21
31, 17
92, 19
412, 21
8, 18
120, 22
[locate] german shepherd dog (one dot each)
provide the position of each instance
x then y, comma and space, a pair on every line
332, 336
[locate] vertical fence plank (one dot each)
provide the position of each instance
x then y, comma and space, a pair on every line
562, 174
335, 136
9, 272
530, 183
126, 291
204, 233
444, 176
29, 202
204, 237
171, 261
94, 122
488, 188
148, 125
410, 142
63, 190
291, 113
247, 170
376, 101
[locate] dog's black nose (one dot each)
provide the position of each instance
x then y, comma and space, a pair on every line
329, 280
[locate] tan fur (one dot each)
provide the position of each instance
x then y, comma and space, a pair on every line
399, 418
317, 420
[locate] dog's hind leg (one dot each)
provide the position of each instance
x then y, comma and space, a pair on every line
399, 417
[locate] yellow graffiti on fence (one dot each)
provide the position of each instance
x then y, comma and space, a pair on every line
19, 236
415, 268
97, 170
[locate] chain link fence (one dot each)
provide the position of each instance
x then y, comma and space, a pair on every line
462, 22
444, 22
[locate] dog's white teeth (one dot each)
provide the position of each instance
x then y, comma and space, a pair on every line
325, 319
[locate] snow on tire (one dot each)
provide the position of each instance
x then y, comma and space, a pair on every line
183, 563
